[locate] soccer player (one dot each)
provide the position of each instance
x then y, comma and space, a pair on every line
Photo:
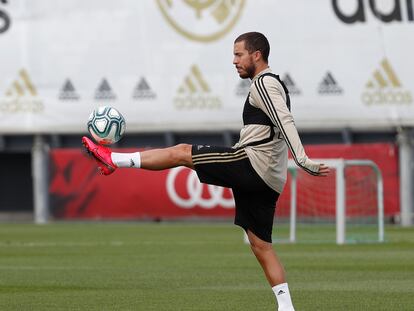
255, 168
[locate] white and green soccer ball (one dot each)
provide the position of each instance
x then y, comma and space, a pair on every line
106, 125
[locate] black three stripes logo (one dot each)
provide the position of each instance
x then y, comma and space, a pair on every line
68, 91
329, 86
104, 91
143, 90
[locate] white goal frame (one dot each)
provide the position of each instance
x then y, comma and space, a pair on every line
340, 184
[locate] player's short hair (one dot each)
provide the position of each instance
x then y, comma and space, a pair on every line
255, 41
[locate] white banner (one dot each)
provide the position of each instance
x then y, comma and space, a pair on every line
167, 64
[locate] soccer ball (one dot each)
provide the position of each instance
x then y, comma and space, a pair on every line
106, 125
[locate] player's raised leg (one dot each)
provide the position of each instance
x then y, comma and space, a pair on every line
160, 159
155, 159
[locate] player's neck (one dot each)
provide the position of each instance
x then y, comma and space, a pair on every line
260, 68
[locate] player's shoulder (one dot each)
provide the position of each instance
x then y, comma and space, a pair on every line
271, 79
268, 80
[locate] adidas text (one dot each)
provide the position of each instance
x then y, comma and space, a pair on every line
387, 97
4, 20
197, 102
16, 105
359, 15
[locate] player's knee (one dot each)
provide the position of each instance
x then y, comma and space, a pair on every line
259, 246
183, 154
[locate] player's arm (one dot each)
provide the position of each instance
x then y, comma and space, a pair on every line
267, 95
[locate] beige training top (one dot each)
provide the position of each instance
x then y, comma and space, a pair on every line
269, 159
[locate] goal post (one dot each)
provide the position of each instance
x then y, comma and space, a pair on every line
339, 166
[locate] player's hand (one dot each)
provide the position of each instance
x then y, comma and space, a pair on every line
323, 170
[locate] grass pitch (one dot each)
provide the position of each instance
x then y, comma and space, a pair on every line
135, 266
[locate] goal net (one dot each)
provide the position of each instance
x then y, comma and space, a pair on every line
346, 206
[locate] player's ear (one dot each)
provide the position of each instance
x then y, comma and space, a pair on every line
257, 55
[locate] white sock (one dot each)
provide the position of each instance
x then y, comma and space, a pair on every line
126, 159
283, 297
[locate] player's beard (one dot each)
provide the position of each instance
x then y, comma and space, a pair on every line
248, 72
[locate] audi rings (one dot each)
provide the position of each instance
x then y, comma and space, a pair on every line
195, 192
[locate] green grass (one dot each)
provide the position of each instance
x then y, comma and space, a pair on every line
89, 266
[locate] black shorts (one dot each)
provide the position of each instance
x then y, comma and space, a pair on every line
231, 168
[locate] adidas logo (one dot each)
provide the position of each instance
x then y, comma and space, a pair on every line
291, 86
280, 292
243, 87
194, 92
329, 86
385, 87
380, 80
21, 96
194, 82
22, 86
68, 91
143, 91
104, 91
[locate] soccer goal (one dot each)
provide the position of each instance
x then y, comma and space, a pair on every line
347, 206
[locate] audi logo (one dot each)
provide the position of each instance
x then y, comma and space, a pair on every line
194, 190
